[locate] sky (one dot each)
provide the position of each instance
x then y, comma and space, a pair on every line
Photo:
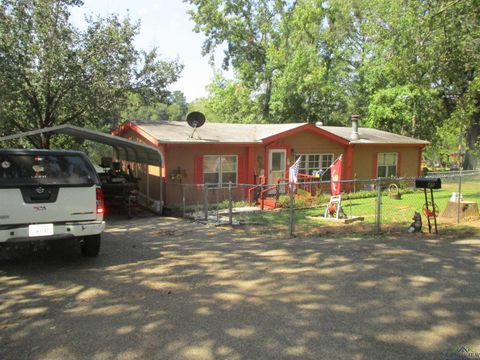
165, 25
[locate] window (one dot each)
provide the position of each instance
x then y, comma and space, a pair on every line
387, 164
45, 169
219, 170
314, 162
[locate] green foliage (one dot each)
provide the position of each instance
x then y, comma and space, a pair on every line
51, 73
404, 110
302, 200
374, 193
249, 28
411, 67
174, 107
231, 101
202, 105
224, 205
312, 62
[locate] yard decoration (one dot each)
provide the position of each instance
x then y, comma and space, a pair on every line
459, 208
416, 225
430, 209
178, 174
336, 172
334, 208
334, 211
394, 192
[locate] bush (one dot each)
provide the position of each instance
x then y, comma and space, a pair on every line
373, 193
300, 202
224, 205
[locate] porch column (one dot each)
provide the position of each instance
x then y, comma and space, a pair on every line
348, 165
250, 164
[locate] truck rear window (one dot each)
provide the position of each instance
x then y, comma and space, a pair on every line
16, 170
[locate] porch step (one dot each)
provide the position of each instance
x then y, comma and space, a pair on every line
269, 203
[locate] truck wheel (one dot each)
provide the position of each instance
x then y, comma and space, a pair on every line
91, 245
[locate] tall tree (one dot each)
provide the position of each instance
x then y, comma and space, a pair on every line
410, 67
178, 107
247, 28
52, 73
398, 70
313, 63
456, 47
230, 100
174, 107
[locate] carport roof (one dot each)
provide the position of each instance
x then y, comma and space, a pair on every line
125, 149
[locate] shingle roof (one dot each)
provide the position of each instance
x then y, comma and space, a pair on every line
181, 132
372, 136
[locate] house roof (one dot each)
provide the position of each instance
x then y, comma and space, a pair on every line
181, 132
372, 136
224, 133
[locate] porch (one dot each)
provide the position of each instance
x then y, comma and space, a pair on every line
266, 196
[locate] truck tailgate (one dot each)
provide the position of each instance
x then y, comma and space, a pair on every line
71, 204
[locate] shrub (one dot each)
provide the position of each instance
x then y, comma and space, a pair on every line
300, 201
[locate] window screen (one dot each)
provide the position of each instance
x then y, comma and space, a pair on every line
219, 170
387, 164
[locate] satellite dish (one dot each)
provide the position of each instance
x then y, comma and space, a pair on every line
195, 119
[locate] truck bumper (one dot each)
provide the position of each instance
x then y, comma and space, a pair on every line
60, 231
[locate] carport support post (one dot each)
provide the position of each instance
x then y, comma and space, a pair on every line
230, 220
291, 225
205, 201
379, 206
183, 200
148, 185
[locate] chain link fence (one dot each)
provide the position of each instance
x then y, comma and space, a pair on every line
375, 206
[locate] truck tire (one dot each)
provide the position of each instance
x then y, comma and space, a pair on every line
91, 245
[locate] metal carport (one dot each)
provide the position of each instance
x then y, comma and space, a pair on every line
124, 149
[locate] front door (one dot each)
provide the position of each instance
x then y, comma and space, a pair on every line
277, 166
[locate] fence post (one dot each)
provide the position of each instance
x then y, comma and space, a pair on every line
378, 212
205, 201
291, 225
458, 195
183, 201
230, 220
261, 198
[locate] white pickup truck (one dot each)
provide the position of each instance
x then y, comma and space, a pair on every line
47, 194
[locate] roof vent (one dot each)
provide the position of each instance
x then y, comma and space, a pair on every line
355, 135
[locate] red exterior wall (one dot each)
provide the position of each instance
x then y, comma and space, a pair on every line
359, 161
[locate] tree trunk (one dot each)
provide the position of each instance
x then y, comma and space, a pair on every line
44, 141
473, 136
266, 101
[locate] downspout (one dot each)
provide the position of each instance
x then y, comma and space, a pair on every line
161, 180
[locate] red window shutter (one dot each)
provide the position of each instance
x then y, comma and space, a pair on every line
242, 173
375, 165
198, 168
399, 164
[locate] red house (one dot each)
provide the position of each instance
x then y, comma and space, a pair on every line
250, 153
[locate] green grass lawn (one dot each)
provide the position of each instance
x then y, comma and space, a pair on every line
393, 211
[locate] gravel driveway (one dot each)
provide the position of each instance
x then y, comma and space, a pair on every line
165, 288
